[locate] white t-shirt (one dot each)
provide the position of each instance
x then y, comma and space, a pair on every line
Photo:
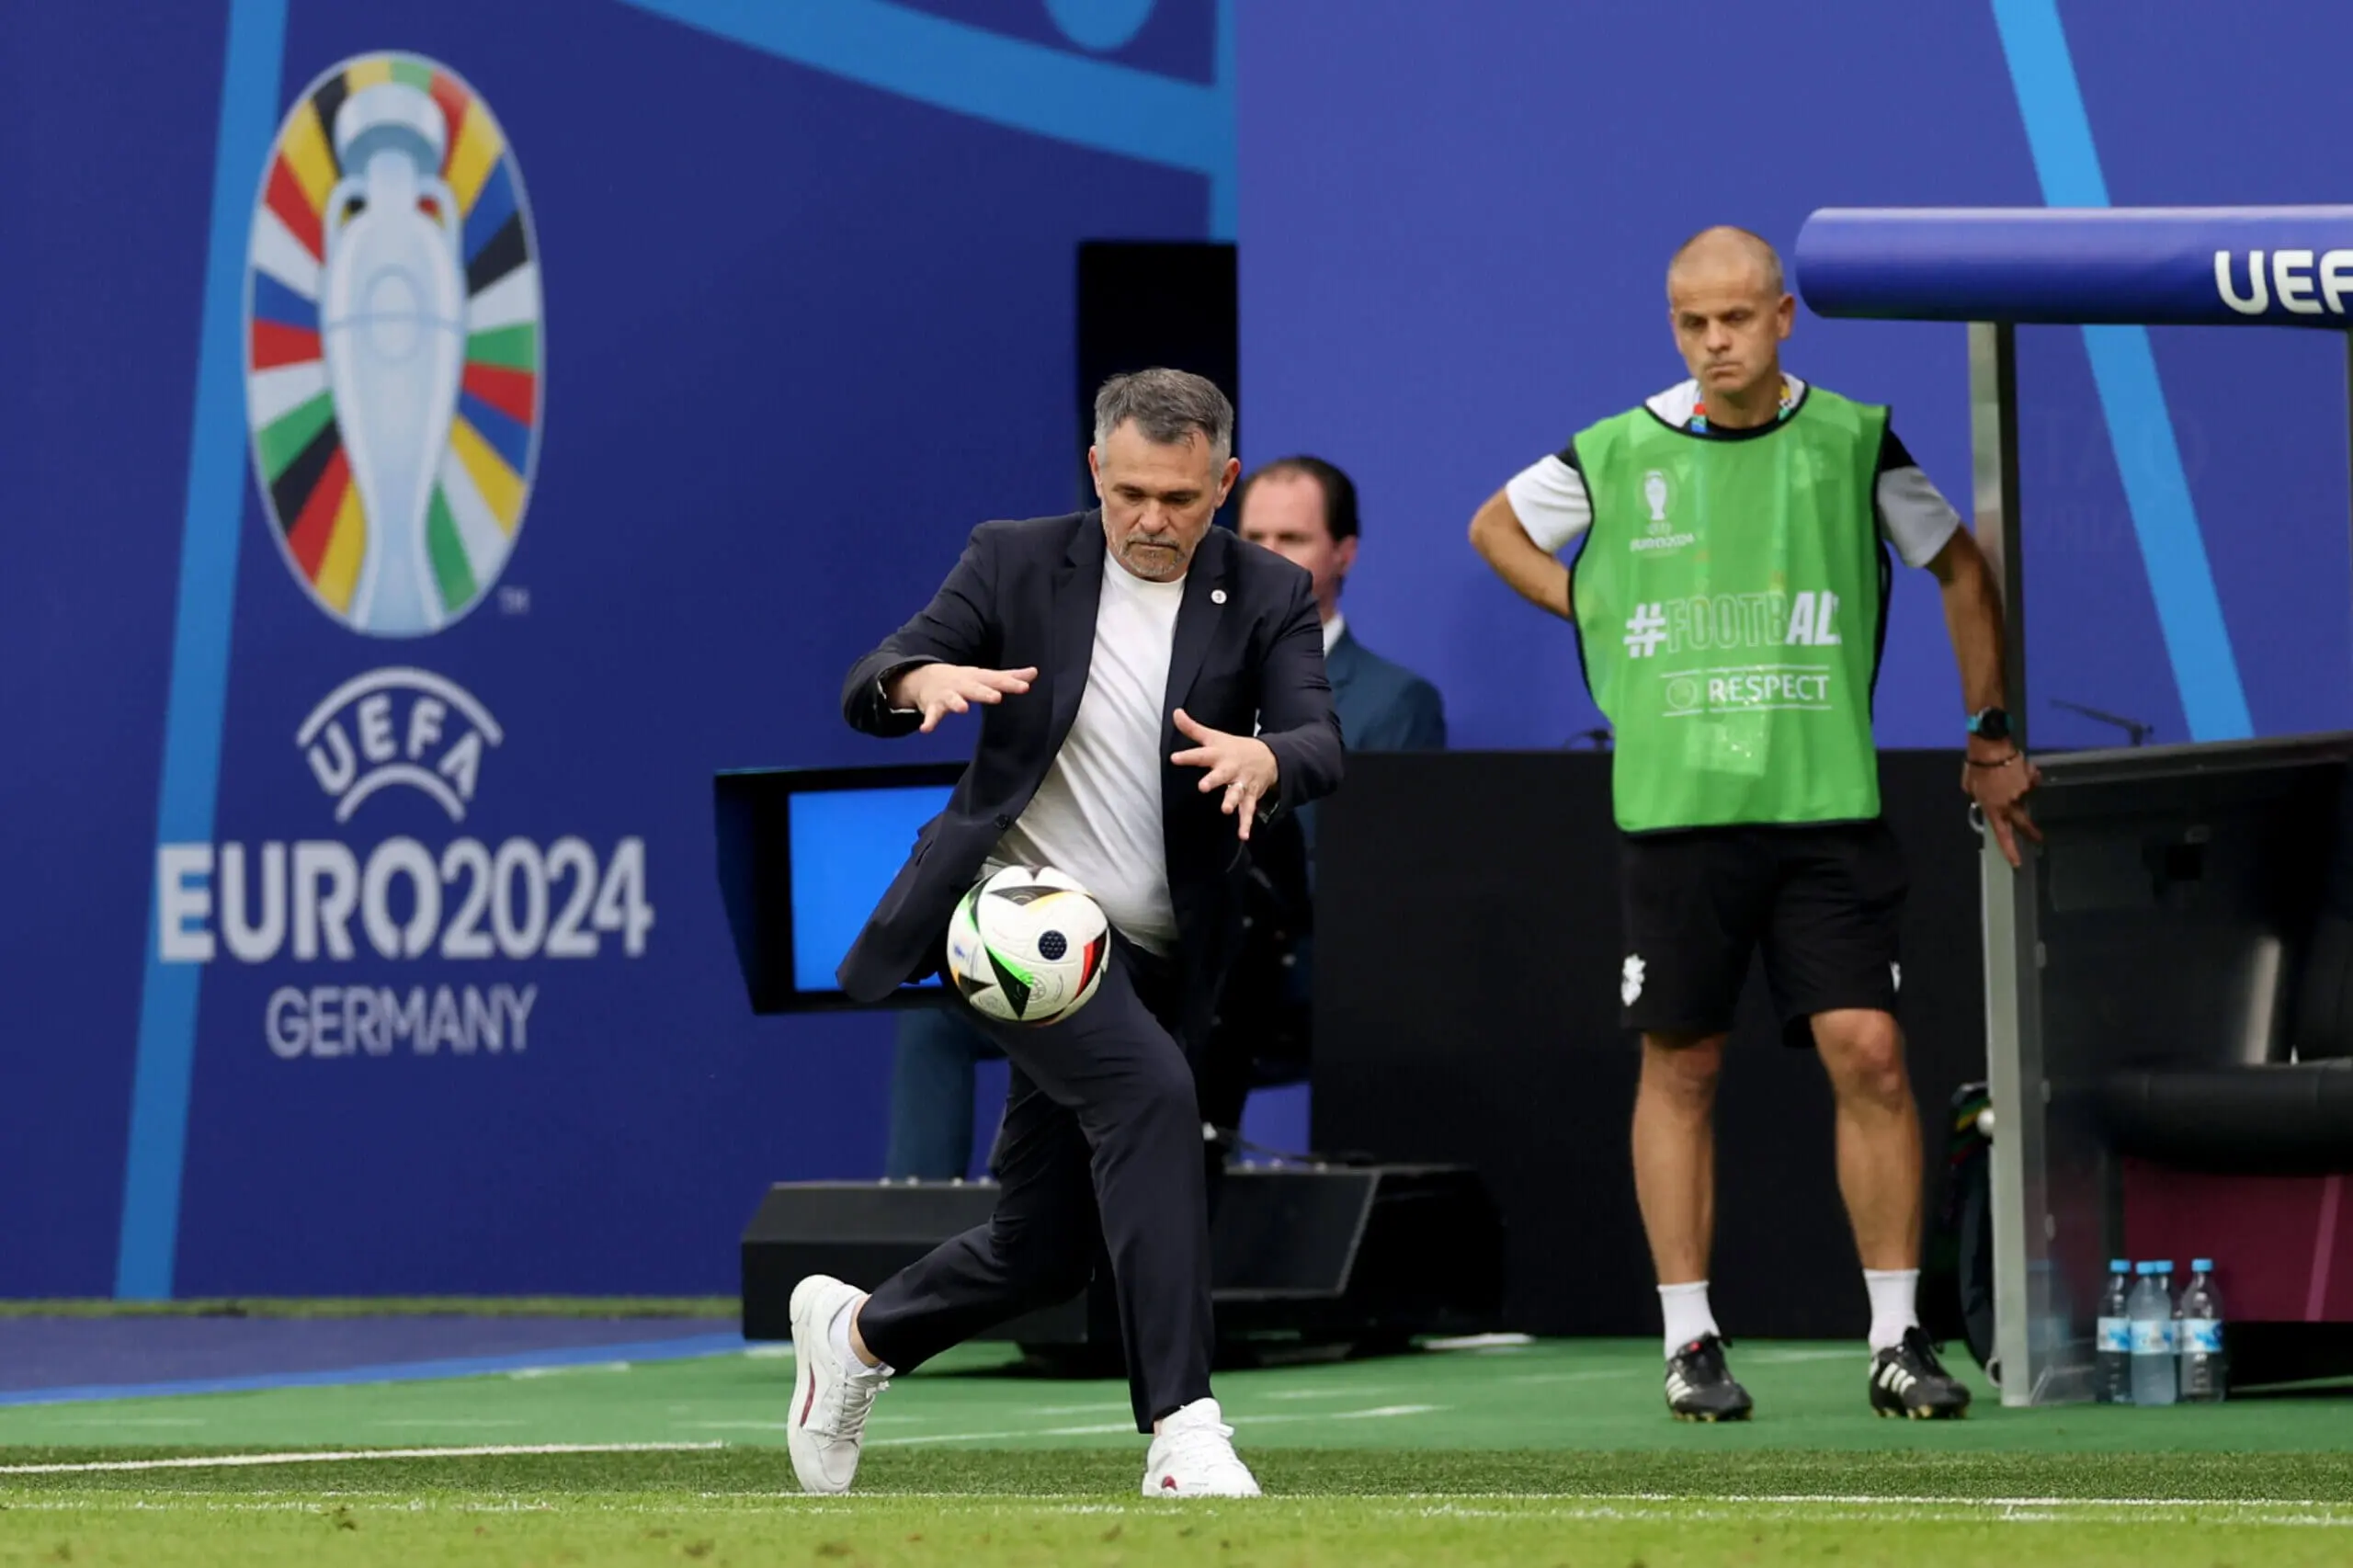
1550, 499
1098, 815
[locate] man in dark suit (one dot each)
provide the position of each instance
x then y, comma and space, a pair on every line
1150, 688
1383, 705
1304, 509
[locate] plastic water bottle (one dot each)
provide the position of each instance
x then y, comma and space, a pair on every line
2112, 1342
2155, 1376
2205, 1375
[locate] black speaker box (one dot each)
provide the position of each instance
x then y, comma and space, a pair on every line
1356, 1257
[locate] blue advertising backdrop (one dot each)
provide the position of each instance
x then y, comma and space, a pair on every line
805, 276
344, 961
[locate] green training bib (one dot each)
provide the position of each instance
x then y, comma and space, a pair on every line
1730, 600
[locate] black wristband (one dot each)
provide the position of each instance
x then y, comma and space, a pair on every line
1998, 762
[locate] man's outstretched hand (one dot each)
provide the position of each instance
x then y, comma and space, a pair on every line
1242, 766
937, 691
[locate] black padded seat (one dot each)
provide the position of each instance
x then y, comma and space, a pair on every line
2263, 1119
2275, 1118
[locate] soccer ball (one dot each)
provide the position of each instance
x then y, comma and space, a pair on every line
1027, 946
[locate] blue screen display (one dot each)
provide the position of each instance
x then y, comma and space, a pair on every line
846, 845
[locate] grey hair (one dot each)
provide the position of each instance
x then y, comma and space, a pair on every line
1167, 407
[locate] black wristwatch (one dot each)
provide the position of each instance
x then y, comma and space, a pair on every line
1990, 724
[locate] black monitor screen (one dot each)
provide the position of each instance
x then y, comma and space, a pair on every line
805, 854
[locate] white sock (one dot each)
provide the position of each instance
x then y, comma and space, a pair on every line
1688, 1316
844, 1351
1893, 1291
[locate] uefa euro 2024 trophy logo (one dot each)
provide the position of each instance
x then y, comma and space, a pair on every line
393, 351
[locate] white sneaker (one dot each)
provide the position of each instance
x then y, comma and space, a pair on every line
830, 1400
1193, 1456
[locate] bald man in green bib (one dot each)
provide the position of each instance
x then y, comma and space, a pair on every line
1730, 591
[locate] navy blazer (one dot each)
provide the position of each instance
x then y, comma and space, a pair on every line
1248, 649
1383, 705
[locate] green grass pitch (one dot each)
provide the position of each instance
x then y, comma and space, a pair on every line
1551, 1453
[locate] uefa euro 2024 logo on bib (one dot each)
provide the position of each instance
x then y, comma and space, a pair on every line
392, 344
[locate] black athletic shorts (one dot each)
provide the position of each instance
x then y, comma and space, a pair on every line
1823, 902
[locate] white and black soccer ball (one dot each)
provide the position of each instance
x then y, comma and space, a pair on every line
1027, 945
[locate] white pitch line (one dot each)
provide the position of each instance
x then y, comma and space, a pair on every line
1381, 1413
736, 1425
1761, 1359
566, 1370
1631, 1504
1861, 1499
2225, 1512
1850, 1499
1128, 1426
1593, 1374
1480, 1342
887, 1418
2329, 1512
1946, 1510
333, 1456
